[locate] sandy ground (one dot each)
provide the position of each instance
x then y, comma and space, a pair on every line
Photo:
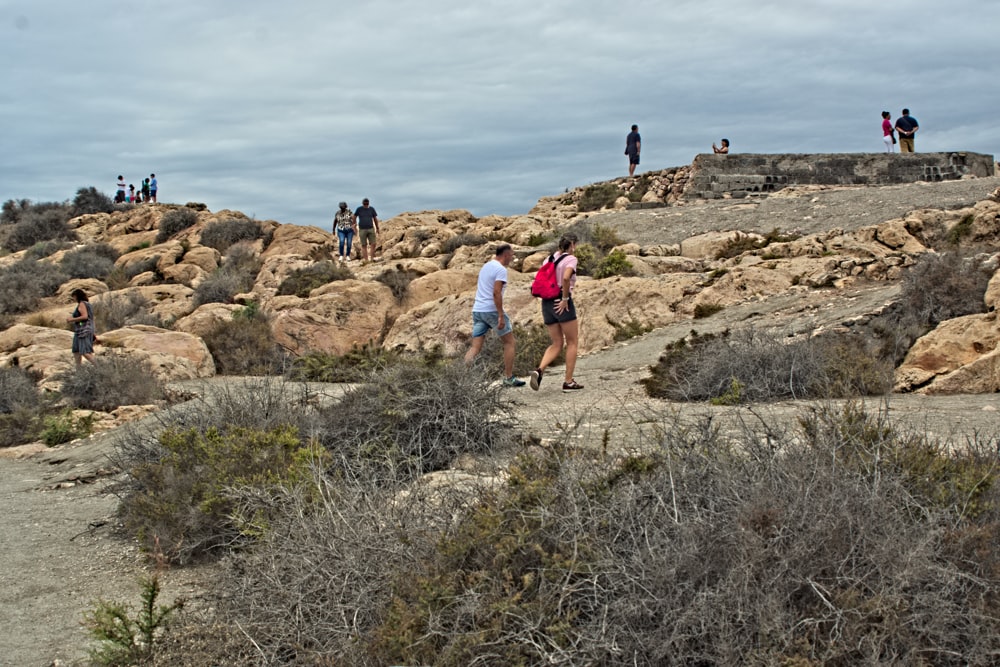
60, 553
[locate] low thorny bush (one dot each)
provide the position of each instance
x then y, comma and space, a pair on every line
236, 275
23, 283
175, 221
120, 309
91, 261
751, 365
223, 234
245, 344
301, 282
844, 541
111, 381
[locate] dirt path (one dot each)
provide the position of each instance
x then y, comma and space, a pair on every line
59, 552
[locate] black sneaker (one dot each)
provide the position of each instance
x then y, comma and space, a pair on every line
571, 386
536, 378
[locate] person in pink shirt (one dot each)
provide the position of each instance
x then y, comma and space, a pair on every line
559, 315
887, 132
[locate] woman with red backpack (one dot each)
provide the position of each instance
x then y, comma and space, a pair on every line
559, 315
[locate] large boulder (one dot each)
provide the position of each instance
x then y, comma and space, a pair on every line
953, 345
435, 285
298, 240
172, 355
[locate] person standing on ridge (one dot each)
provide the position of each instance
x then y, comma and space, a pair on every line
367, 220
487, 313
907, 126
131, 194
120, 195
145, 189
344, 227
152, 187
633, 144
888, 138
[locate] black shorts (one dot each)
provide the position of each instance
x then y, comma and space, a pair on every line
633, 158
549, 315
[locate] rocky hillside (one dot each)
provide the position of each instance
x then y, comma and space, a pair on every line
180, 271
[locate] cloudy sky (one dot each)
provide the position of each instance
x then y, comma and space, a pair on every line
281, 109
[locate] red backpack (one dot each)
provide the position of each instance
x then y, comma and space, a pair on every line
546, 284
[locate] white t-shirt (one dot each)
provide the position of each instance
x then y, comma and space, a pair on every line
491, 272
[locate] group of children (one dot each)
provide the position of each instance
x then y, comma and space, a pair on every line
146, 193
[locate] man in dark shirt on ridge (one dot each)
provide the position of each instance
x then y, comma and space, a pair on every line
633, 143
907, 126
367, 229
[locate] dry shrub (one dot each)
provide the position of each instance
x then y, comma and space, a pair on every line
410, 419
398, 280
91, 200
91, 261
741, 243
302, 281
23, 283
181, 507
22, 407
530, 342
752, 365
236, 275
598, 196
37, 224
225, 233
245, 345
455, 242
356, 365
113, 380
121, 309
148, 264
175, 221
827, 544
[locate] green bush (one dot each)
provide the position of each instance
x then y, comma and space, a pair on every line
538, 239
91, 200
596, 197
587, 259
303, 281
614, 263
224, 233
64, 427
46, 248
113, 380
628, 329
175, 221
91, 261
245, 345
703, 310
356, 365
960, 230
185, 509
130, 637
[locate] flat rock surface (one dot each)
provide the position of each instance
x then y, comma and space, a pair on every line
60, 553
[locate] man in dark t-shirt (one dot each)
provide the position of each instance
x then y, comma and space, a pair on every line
907, 126
632, 146
367, 229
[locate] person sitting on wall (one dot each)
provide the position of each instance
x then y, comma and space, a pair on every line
724, 149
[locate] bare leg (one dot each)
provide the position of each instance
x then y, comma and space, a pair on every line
474, 349
552, 351
571, 330
508, 353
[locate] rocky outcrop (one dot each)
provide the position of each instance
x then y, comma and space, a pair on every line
959, 355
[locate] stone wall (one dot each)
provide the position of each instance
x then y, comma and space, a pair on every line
750, 174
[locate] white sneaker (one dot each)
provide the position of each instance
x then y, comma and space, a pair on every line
348, 260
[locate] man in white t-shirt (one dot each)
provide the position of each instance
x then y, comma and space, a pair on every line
487, 313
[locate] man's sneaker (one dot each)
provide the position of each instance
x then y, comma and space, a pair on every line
571, 386
536, 378
513, 382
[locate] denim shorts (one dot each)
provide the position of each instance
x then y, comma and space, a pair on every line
483, 322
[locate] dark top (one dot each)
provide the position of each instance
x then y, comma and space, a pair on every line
907, 124
632, 142
366, 217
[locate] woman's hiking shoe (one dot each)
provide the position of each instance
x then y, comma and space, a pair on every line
536, 378
513, 382
571, 386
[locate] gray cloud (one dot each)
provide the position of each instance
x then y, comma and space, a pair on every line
283, 109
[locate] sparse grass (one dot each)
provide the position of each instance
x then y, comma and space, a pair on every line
960, 230
303, 281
